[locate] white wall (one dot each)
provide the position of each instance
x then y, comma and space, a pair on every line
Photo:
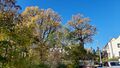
112, 48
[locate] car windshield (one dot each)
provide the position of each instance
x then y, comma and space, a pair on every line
115, 63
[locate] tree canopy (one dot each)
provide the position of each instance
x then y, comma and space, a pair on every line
35, 38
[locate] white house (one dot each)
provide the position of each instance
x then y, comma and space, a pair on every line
113, 48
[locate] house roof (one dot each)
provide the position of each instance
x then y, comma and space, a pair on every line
108, 42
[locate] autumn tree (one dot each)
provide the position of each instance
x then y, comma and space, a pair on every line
46, 23
14, 37
81, 30
9, 17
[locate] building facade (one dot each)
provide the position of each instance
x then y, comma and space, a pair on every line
113, 48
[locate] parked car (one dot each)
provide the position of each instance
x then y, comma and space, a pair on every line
110, 64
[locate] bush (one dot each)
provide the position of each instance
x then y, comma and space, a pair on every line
113, 59
62, 66
42, 65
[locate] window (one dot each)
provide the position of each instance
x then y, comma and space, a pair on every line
119, 53
118, 45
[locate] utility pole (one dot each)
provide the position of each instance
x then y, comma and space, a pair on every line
99, 52
100, 56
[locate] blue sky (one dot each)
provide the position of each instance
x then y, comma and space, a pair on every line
104, 14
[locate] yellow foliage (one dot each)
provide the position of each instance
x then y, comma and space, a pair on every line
2, 36
70, 23
56, 24
80, 21
86, 19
